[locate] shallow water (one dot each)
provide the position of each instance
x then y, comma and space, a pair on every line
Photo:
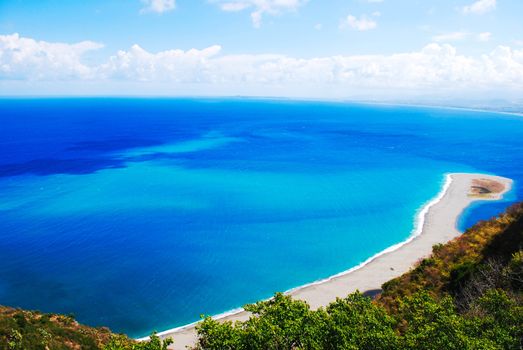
142, 214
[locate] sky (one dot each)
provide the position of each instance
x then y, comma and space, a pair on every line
354, 49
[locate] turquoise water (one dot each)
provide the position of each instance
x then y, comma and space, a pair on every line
143, 214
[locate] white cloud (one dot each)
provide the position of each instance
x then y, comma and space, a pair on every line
436, 68
138, 64
318, 26
361, 24
480, 7
449, 37
259, 8
26, 58
484, 37
375, 1
158, 6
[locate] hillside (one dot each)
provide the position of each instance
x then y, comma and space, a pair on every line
487, 256
20, 329
467, 295
33, 330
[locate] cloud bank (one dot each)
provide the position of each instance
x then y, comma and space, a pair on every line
436, 68
26, 58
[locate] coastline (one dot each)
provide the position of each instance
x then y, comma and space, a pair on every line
481, 109
436, 106
435, 222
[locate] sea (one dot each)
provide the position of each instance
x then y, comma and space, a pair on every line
144, 214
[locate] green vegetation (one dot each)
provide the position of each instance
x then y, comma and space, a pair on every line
467, 295
121, 342
31, 330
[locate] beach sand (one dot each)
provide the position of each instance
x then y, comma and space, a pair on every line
436, 223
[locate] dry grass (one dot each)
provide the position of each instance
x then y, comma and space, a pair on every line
485, 188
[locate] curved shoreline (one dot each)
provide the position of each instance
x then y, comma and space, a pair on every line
416, 231
319, 293
420, 216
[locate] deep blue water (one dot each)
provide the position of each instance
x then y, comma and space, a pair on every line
142, 214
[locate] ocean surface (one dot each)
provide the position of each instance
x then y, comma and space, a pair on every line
143, 214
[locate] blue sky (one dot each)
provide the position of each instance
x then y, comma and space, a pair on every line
275, 43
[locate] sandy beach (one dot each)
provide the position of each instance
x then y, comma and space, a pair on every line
436, 223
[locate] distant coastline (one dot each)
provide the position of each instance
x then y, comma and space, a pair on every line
454, 108
435, 222
517, 110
